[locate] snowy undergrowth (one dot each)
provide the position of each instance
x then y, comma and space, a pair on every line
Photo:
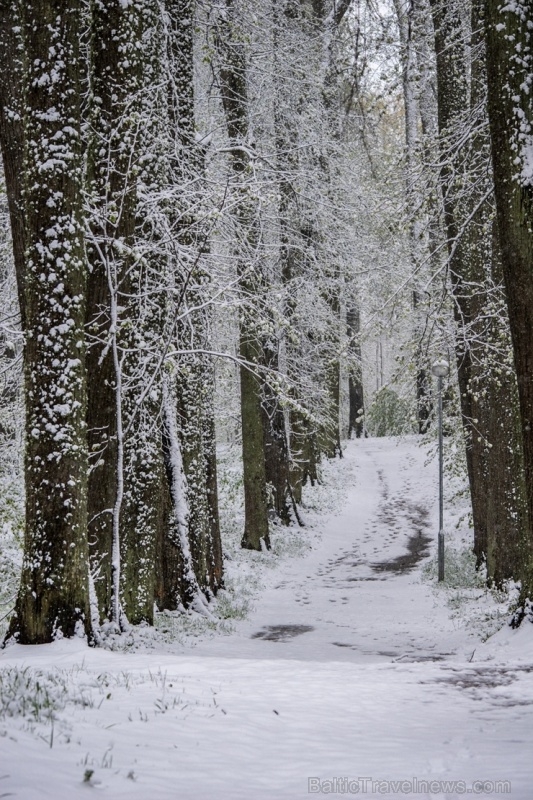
473, 604
37, 695
40, 702
11, 539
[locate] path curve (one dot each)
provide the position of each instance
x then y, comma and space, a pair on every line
358, 594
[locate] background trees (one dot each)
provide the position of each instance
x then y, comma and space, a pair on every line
195, 186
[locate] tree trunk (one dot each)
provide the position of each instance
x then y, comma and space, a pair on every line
234, 99
125, 441
355, 382
194, 378
452, 88
53, 598
493, 384
509, 67
113, 218
144, 318
195, 423
408, 14
12, 136
277, 466
287, 104
488, 393
326, 24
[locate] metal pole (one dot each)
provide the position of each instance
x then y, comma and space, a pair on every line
441, 490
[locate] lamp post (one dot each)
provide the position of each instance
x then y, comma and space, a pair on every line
441, 369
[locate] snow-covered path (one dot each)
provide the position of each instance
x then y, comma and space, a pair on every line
349, 669
357, 595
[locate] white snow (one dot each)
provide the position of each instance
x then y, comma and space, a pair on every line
382, 682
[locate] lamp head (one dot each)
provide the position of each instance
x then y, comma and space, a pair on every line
440, 368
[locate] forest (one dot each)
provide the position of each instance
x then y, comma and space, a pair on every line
257, 225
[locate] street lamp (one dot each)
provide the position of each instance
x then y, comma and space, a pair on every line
441, 369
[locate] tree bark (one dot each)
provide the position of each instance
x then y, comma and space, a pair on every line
194, 378
125, 442
53, 598
326, 26
144, 316
509, 68
109, 222
488, 391
292, 244
452, 88
235, 102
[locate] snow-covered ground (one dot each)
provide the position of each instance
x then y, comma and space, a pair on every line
351, 673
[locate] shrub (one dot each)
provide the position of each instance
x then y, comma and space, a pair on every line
389, 415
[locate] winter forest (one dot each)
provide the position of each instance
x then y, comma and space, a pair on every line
236, 237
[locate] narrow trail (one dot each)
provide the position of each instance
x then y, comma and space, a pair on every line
357, 595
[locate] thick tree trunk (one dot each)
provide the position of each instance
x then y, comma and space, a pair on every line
142, 516
194, 377
170, 577
277, 467
452, 88
488, 393
53, 598
330, 431
509, 542
493, 386
113, 198
125, 442
256, 532
509, 68
214, 555
144, 318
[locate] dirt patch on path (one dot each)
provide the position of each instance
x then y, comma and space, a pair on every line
418, 543
281, 633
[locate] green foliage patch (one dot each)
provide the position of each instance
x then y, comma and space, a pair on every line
389, 414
